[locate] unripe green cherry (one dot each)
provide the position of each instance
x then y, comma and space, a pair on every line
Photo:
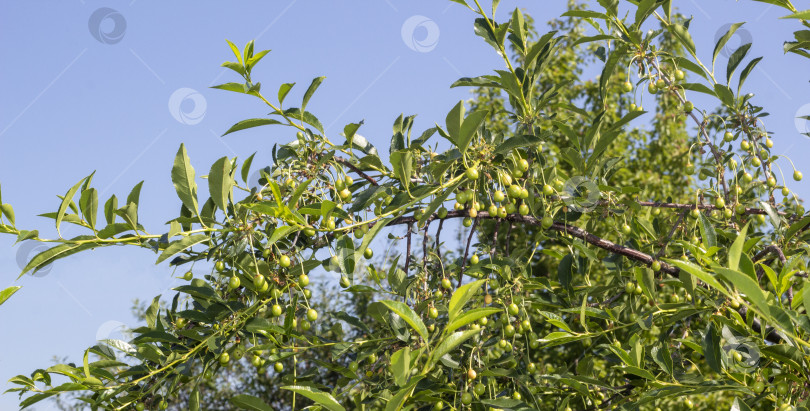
661, 84
727, 213
688, 106
523, 209
745, 145
234, 283
368, 253
188, 276
224, 358
303, 280
679, 75
626, 229
651, 87
656, 265
797, 175
771, 181
471, 173
747, 177
344, 281
768, 143
446, 284
627, 87
433, 313
719, 202
503, 211
510, 208
785, 191
547, 190
279, 367
466, 398
258, 280
728, 137
756, 161
312, 314
140, 407
480, 389
492, 210
509, 330
546, 222
523, 165
513, 309
474, 259
629, 288
442, 213
739, 209
220, 266
694, 213
513, 191
467, 222
276, 310
284, 261
498, 196
473, 212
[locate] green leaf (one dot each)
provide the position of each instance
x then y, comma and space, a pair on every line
398, 399
283, 90
402, 163
469, 127
54, 253
407, 314
469, 317
235, 87
796, 227
723, 40
236, 52
449, 343
250, 123
401, 366
183, 180
453, 122
180, 245
321, 398
88, 203
8, 211
736, 249
683, 36
746, 71
220, 182
707, 232
461, 296
65, 203
249, 402
7, 293
151, 315
711, 349
700, 274
246, 168
747, 286
735, 60
802, 15
310, 91
109, 209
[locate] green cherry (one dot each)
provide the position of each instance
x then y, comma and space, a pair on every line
728, 137
797, 175
284, 261
546, 222
220, 266
188, 276
627, 87
312, 315
276, 310
471, 173
303, 280
446, 284
234, 283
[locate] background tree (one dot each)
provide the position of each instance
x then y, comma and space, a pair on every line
606, 276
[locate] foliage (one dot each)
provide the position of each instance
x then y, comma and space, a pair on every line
603, 274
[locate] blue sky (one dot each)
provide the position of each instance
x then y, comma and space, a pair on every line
71, 104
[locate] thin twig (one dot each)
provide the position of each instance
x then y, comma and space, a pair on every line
354, 168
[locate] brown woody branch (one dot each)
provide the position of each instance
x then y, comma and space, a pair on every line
354, 168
